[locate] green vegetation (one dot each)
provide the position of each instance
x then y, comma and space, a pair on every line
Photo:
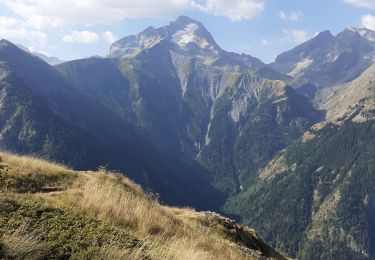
322, 207
237, 151
33, 231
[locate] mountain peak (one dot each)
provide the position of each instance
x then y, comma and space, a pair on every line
325, 34
364, 32
6, 44
184, 35
191, 35
182, 19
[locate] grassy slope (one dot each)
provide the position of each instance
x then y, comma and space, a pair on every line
49, 212
319, 200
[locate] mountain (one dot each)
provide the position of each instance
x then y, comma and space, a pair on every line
51, 60
187, 122
43, 114
191, 99
353, 99
328, 60
286, 147
184, 36
314, 199
51, 212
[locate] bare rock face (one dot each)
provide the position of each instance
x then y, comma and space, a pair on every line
328, 60
241, 235
184, 36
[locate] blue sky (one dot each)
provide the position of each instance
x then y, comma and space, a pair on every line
72, 29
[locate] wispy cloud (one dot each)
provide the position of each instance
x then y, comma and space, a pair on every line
368, 21
292, 16
45, 13
294, 36
110, 37
370, 4
288, 36
236, 10
265, 41
81, 37
40, 14
15, 29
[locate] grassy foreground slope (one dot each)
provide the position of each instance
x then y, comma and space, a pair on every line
50, 212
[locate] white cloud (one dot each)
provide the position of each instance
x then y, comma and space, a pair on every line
81, 37
370, 4
292, 16
14, 29
265, 41
236, 10
32, 49
109, 37
41, 14
368, 21
47, 13
294, 36
289, 36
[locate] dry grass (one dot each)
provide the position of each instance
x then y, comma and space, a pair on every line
165, 232
31, 164
28, 174
168, 233
22, 245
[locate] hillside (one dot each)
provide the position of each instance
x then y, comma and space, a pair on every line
43, 114
354, 99
315, 198
51, 212
196, 103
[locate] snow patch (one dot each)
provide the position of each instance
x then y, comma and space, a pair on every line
368, 34
188, 35
148, 42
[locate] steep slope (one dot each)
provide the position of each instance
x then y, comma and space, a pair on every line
315, 200
354, 99
45, 115
196, 102
31, 125
328, 60
51, 212
320, 190
51, 60
29, 77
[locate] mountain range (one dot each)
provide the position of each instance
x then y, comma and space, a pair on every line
286, 147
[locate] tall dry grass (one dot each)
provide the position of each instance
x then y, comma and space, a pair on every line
32, 165
165, 232
168, 233
28, 174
